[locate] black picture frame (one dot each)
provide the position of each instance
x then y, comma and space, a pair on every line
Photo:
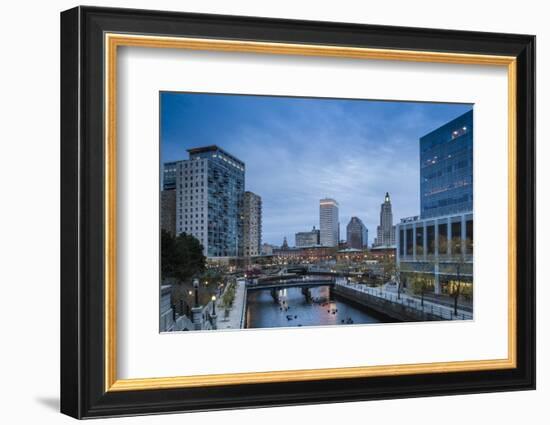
83, 392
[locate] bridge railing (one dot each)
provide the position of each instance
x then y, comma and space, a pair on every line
291, 282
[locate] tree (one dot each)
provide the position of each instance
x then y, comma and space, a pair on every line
459, 260
419, 286
398, 280
389, 267
453, 257
181, 256
228, 298
189, 259
167, 254
212, 277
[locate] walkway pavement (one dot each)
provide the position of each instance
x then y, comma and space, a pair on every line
235, 319
440, 310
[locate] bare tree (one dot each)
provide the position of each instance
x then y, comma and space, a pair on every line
389, 267
397, 271
459, 260
420, 285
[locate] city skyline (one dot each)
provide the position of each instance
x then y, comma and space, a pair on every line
378, 144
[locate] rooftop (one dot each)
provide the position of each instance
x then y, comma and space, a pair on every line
213, 148
382, 247
328, 201
349, 250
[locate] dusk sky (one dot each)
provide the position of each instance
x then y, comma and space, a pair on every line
299, 150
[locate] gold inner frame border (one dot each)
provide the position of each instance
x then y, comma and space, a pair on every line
113, 40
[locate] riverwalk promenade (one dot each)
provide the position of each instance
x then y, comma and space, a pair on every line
434, 310
235, 318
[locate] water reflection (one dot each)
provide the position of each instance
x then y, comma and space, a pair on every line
293, 310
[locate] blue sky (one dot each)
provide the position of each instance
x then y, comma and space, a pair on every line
299, 150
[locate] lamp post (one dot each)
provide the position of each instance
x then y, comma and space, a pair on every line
196, 286
197, 309
214, 318
399, 289
188, 303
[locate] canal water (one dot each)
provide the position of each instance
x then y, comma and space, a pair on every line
293, 310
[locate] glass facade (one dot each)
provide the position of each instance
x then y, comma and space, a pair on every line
470, 237
446, 168
308, 238
170, 171
225, 183
409, 244
210, 196
440, 240
442, 236
430, 243
357, 234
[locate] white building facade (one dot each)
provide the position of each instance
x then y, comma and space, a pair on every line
252, 224
329, 222
209, 200
192, 199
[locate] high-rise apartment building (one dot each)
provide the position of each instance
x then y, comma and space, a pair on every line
168, 198
209, 200
252, 224
168, 211
357, 234
385, 232
446, 168
169, 174
311, 238
328, 220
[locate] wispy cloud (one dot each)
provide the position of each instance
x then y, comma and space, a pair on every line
300, 150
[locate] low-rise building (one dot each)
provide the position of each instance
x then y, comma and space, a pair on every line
353, 255
441, 247
313, 237
311, 254
267, 249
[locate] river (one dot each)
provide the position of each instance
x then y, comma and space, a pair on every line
264, 312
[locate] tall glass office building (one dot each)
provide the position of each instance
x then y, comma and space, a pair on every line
442, 238
209, 201
357, 234
446, 168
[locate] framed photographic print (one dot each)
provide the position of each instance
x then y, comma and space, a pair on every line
261, 212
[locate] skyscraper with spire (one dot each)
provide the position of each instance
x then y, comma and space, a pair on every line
385, 232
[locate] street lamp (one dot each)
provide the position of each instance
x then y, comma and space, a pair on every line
213, 305
196, 286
